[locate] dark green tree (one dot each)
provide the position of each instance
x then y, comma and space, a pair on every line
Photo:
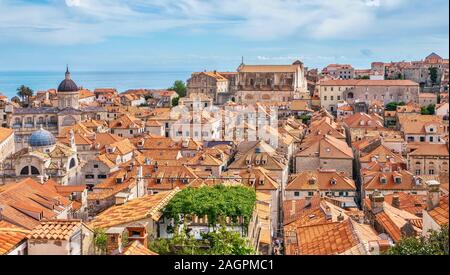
433, 75
25, 92
180, 87
428, 110
435, 244
175, 101
225, 242
100, 240
392, 106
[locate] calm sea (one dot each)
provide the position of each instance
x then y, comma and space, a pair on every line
122, 81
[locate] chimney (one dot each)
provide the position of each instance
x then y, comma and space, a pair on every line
432, 194
114, 242
293, 208
376, 202
396, 201
340, 217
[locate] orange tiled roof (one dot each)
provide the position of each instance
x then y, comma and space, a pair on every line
326, 239
126, 122
24, 202
327, 147
391, 228
440, 213
149, 206
55, 230
429, 149
364, 82
407, 181
5, 133
11, 236
382, 155
413, 204
136, 248
363, 120
321, 180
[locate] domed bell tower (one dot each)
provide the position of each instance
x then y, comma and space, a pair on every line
68, 93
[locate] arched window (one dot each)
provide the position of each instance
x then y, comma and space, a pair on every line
350, 95
72, 163
25, 171
34, 170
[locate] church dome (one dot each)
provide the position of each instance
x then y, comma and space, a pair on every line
40, 138
67, 85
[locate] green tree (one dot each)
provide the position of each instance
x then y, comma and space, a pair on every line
175, 101
100, 240
218, 242
25, 92
433, 75
392, 106
225, 242
435, 244
428, 110
179, 87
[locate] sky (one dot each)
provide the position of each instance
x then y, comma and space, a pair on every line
194, 35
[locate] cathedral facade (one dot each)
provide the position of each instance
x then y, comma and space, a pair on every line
25, 121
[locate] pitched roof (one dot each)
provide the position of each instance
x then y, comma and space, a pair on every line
5, 133
365, 82
382, 155
408, 182
440, 212
257, 177
321, 180
429, 149
149, 206
126, 122
28, 202
326, 147
268, 68
363, 120
415, 124
11, 236
326, 239
136, 248
55, 230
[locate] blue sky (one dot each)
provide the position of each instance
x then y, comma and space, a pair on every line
166, 35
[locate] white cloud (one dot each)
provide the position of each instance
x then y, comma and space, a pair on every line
90, 21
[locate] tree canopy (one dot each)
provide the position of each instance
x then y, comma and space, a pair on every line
219, 242
435, 244
179, 87
216, 203
433, 75
392, 106
25, 92
428, 110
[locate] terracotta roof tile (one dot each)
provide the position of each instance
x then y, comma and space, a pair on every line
55, 230
11, 236
149, 206
136, 248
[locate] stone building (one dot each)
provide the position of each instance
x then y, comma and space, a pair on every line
212, 84
366, 92
45, 158
339, 71
428, 159
263, 83
25, 121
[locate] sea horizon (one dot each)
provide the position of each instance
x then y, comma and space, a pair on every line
120, 80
